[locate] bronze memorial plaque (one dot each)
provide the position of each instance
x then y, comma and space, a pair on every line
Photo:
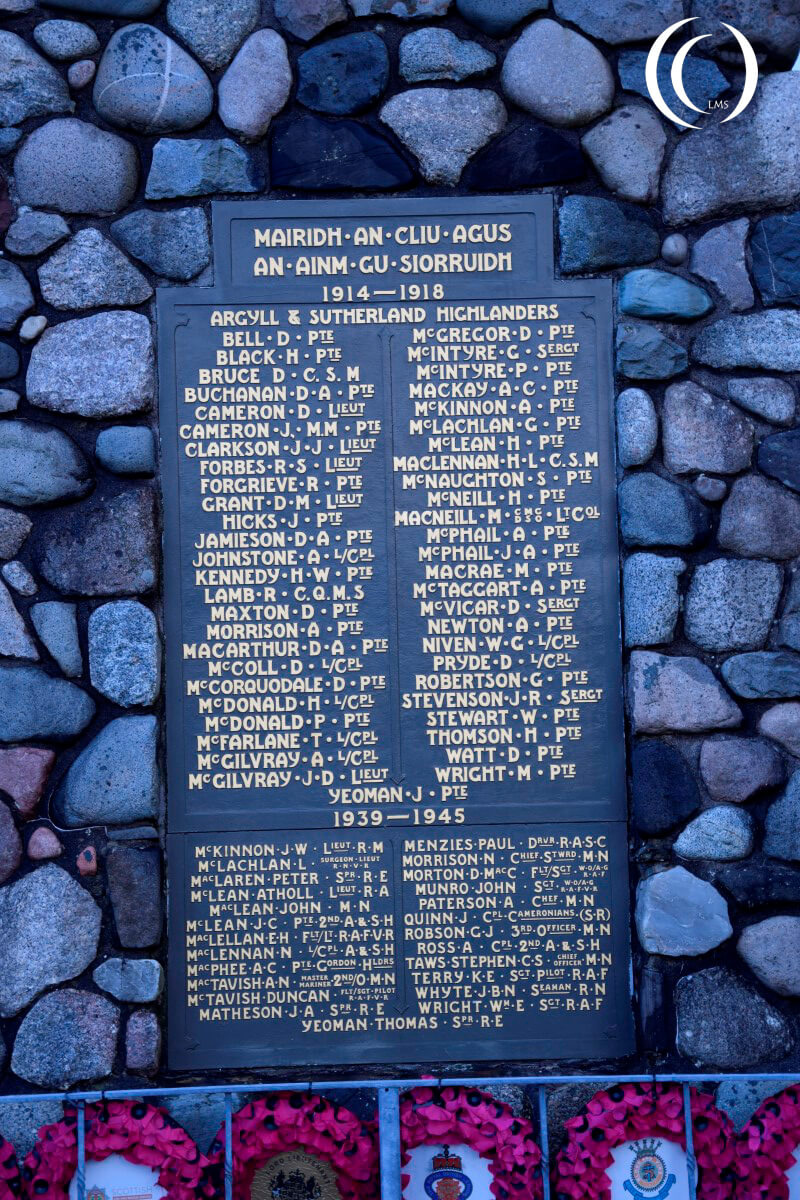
394, 695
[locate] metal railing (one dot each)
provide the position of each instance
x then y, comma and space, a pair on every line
388, 1093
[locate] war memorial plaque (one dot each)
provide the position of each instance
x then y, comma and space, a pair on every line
394, 697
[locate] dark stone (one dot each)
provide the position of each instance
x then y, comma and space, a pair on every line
760, 519
529, 155
779, 456
134, 882
657, 512
34, 704
644, 352
775, 247
39, 465
311, 154
9, 361
763, 675
760, 884
664, 790
105, 547
200, 167
10, 844
702, 78
343, 75
109, 8
174, 244
498, 17
596, 233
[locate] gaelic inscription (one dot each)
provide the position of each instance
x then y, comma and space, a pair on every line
395, 746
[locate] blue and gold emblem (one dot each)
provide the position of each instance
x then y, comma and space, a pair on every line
649, 1179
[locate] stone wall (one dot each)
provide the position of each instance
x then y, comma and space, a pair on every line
119, 121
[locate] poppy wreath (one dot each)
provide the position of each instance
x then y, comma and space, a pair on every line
766, 1147
140, 1132
431, 1116
634, 1110
285, 1121
10, 1176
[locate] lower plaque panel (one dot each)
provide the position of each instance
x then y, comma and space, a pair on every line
293, 949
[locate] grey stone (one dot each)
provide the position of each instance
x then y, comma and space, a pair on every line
731, 603
75, 167
57, 626
33, 232
719, 257
134, 883
115, 779
595, 232
16, 6
142, 1043
29, 85
17, 576
134, 980
10, 138
20, 1123
67, 1036
125, 653
651, 601
724, 1023
16, 297
406, 10
213, 29
444, 128
740, 1098
779, 457
637, 427
703, 433
15, 641
256, 85
770, 24
618, 21
749, 164
644, 352
306, 18
772, 399
106, 547
146, 82
557, 75
99, 366
90, 272
760, 519
782, 823
679, 694
66, 40
9, 400
710, 489
769, 340
14, 529
199, 167
650, 293
40, 464
678, 914
51, 927
173, 244
657, 512
80, 74
498, 17
763, 675
782, 724
771, 949
126, 450
35, 705
733, 768
723, 834
627, 150
32, 328
674, 249
434, 54
10, 858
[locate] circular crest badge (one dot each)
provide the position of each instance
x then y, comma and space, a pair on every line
648, 1171
447, 1181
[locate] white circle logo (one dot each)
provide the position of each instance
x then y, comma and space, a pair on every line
676, 74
